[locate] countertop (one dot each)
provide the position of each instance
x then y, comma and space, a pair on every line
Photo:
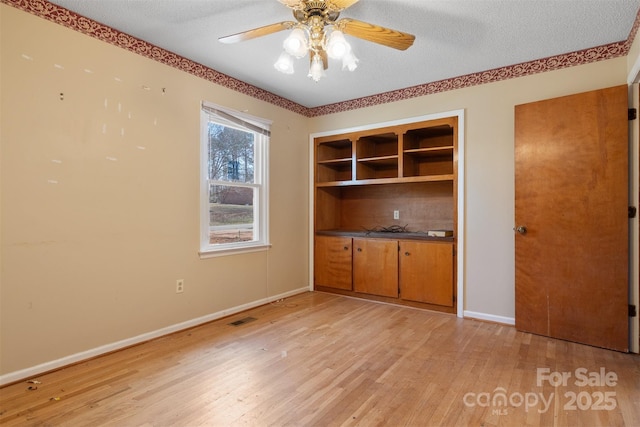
409, 235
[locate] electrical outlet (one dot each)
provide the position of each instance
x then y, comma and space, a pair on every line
179, 286
396, 214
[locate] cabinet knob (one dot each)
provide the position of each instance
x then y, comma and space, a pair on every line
407, 254
346, 248
359, 249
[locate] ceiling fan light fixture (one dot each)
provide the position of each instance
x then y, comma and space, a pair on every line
296, 44
319, 33
316, 70
337, 46
284, 64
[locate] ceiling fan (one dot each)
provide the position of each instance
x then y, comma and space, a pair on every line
319, 33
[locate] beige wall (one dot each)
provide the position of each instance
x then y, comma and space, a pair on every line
633, 60
91, 247
489, 186
95, 229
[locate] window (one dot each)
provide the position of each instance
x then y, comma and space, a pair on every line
234, 197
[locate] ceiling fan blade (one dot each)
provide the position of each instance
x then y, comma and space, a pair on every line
340, 5
374, 33
293, 4
257, 32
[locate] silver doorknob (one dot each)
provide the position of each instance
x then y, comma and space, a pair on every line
521, 229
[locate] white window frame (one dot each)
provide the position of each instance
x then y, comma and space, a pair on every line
261, 130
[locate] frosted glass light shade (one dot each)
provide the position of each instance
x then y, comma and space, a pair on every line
316, 70
349, 61
296, 43
337, 46
284, 64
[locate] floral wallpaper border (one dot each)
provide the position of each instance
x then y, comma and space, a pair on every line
107, 34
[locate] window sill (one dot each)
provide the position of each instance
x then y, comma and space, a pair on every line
213, 253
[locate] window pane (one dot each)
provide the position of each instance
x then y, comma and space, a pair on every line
230, 214
231, 154
234, 179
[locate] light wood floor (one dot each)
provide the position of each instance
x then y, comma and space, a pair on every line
322, 360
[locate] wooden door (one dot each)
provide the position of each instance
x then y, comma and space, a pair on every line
333, 262
571, 210
375, 267
426, 272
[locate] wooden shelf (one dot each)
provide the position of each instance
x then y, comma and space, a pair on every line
378, 181
380, 160
334, 149
337, 162
409, 153
430, 152
334, 159
337, 183
428, 137
412, 165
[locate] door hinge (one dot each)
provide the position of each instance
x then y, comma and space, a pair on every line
632, 310
632, 211
633, 114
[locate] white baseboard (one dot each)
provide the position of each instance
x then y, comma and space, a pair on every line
78, 357
489, 317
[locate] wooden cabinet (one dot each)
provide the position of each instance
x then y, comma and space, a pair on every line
361, 179
426, 272
375, 267
413, 270
333, 262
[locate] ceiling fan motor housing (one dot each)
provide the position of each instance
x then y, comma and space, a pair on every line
316, 8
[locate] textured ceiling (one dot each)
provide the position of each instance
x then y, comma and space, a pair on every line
453, 38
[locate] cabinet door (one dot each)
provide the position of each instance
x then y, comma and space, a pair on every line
426, 272
375, 267
333, 262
